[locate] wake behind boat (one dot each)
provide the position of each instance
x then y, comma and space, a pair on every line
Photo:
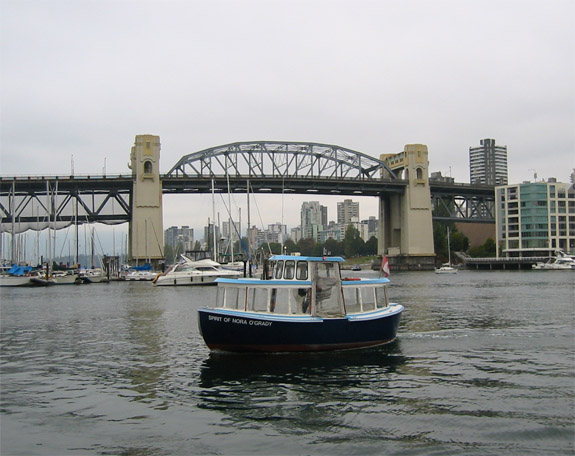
190, 272
303, 305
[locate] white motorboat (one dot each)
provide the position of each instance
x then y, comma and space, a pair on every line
140, 275
189, 272
561, 262
94, 275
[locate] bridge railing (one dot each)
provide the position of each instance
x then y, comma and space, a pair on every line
21, 177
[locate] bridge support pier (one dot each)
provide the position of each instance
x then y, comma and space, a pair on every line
406, 228
146, 239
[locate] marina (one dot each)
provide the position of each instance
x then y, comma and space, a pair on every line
478, 367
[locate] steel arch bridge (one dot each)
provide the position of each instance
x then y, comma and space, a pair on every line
36, 202
265, 159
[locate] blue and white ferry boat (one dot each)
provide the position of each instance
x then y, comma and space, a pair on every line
301, 304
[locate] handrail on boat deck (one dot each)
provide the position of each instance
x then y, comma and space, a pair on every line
245, 295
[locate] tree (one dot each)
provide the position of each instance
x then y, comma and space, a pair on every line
352, 242
371, 246
459, 242
306, 246
488, 249
290, 246
333, 247
276, 248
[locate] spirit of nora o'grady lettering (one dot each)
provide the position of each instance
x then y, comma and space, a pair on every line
240, 321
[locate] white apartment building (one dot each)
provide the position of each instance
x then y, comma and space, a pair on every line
535, 218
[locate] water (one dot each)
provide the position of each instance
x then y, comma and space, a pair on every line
484, 364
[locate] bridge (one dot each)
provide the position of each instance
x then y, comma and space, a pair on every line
38, 202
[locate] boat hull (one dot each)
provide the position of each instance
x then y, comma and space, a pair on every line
185, 280
15, 281
235, 331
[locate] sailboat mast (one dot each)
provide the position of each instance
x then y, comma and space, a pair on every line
448, 247
230, 220
214, 253
76, 253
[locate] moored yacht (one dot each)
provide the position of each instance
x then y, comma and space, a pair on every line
190, 272
561, 261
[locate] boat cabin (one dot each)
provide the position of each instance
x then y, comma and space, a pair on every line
303, 285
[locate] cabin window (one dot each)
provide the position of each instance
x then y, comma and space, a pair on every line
301, 273
279, 269
230, 298
328, 297
258, 299
360, 299
289, 270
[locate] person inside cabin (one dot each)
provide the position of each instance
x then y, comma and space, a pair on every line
273, 299
304, 294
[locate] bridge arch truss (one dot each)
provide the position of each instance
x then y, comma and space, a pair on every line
265, 159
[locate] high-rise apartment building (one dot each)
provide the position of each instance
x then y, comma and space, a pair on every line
313, 219
488, 163
535, 218
346, 210
182, 237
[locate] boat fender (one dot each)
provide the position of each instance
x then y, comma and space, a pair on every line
351, 278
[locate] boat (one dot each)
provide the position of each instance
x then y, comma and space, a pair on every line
141, 273
190, 272
356, 267
16, 276
446, 268
301, 304
560, 262
68, 277
92, 275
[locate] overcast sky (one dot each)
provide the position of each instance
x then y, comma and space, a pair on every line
82, 78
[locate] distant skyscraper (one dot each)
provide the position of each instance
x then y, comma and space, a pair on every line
313, 218
179, 237
346, 210
488, 163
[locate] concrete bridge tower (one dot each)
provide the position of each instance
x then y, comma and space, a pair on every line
406, 228
146, 240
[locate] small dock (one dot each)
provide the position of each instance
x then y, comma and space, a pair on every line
501, 263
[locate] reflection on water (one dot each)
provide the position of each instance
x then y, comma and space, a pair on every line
297, 393
341, 369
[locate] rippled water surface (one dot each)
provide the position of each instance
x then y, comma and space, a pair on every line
484, 364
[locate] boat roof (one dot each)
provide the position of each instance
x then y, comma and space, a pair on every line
321, 259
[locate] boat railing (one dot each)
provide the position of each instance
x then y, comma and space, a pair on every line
365, 294
291, 297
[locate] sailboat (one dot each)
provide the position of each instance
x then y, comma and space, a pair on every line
446, 268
